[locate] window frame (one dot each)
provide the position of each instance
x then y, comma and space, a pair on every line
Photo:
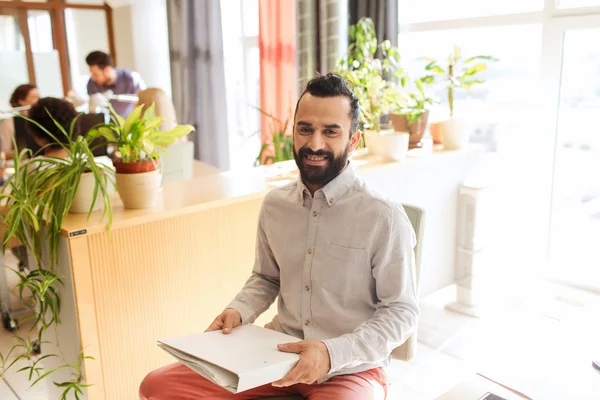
56, 10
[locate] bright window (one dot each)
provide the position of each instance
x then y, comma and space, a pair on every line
436, 10
533, 113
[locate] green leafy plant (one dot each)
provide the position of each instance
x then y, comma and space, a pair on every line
375, 71
138, 138
40, 193
43, 189
282, 142
459, 73
416, 103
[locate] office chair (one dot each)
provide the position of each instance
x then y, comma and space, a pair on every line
406, 351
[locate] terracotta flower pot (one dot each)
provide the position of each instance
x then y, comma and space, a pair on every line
436, 134
135, 167
416, 129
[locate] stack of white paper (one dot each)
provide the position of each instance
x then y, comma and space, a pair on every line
244, 359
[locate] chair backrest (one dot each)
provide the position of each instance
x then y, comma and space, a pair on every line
163, 106
416, 216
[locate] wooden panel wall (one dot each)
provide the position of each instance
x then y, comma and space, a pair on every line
157, 280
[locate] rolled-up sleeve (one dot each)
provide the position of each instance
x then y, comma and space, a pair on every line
262, 288
397, 312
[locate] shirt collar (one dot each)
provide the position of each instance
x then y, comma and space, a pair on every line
334, 189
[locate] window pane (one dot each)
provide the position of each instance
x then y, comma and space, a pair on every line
13, 61
577, 3
86, 32
40, 30
575, 224
45, 58
438, 10
505, 115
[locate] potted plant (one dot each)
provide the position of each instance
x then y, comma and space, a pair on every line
413, 112
36, 199
457, 73
378, 84
281, 140
139, 142
51, 187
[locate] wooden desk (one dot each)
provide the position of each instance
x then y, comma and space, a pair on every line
170, 270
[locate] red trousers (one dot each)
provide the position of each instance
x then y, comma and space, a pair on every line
178, 382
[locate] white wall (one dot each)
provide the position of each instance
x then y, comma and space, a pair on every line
123, 37
141, 40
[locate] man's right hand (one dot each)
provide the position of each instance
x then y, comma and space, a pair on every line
225, 322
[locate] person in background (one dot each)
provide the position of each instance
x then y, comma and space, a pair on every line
63, 113
24, 95
163, 107
106, 77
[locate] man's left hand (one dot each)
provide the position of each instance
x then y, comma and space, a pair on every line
314, 362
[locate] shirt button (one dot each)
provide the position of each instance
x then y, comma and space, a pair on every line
314, 213
309, 251
307, 288
306, 322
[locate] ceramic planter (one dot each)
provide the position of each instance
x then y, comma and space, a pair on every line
138, 184
84, 195
387, 144
453, 134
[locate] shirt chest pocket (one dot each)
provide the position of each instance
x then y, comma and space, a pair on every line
343, 270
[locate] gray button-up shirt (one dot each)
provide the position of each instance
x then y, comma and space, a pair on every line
342, 264
127, 82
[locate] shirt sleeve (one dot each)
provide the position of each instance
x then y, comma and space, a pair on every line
397, 311
138, 82
92, 87
262, 287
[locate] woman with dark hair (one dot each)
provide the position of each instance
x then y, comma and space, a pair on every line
24, 95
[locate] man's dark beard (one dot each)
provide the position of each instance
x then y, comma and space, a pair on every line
320, 176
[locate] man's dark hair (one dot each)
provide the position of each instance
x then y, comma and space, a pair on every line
332, 85
63, 113
21, 93
100, 59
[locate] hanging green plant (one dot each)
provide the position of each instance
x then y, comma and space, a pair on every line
40, 194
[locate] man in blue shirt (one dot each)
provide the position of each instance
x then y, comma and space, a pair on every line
106, 77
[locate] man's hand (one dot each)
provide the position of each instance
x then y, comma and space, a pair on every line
225, 322
314, 362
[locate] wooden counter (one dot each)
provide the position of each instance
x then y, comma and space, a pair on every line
170, 270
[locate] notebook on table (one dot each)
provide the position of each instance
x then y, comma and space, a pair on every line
242, 360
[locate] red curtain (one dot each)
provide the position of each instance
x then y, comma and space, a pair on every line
278, 80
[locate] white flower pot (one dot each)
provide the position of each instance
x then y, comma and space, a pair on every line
453, 134
84, 195
139, 190
387, 144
